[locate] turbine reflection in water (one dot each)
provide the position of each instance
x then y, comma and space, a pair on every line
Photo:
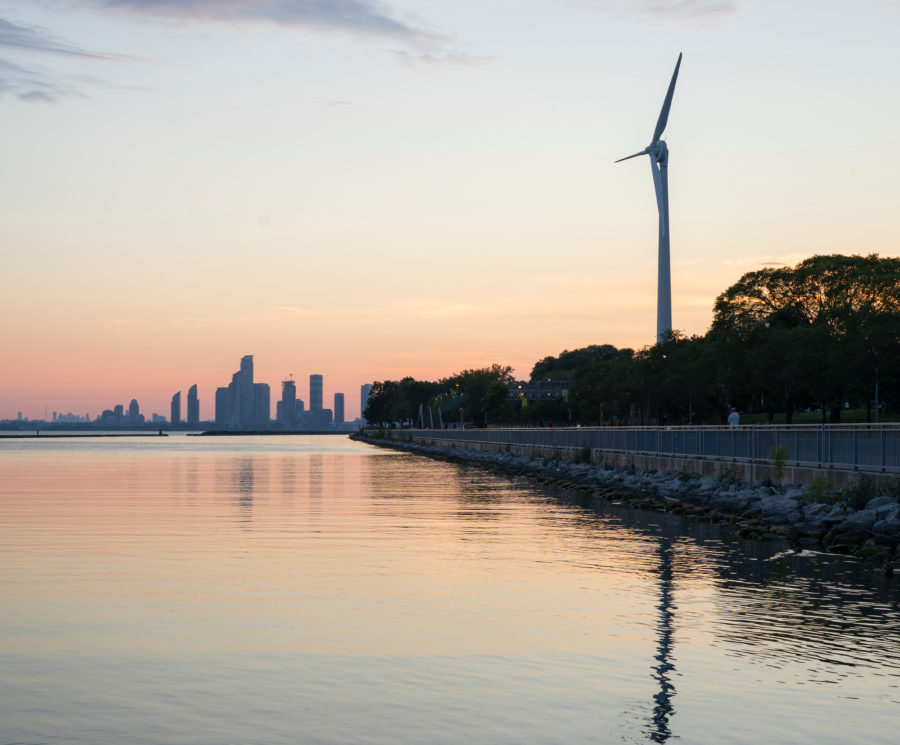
662, 533
663, 669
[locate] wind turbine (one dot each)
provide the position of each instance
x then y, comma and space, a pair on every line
659, 164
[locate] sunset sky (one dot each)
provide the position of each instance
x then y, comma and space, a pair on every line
371, 190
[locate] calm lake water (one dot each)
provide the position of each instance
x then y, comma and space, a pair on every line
314, 590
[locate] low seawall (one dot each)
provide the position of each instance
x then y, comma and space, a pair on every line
757, 471
863, 519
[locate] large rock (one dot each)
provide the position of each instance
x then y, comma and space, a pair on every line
837, 514
775, 509
603, 476
708, 484
733, 503
880, 503
863, 518
886, 508
693, 496
887, 529
856, 528
812, 518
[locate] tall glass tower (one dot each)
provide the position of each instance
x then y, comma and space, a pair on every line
193, 406
288, 409
338, 409
315, 393
176, 409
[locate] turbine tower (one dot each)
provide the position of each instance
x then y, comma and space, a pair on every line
659, 164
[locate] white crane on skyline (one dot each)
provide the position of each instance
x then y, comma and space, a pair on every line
659, 164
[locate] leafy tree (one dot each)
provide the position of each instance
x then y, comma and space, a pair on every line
482, 390
383, 396
819, 330
570, 361
496, 395
394, 401
603, 390
836, 290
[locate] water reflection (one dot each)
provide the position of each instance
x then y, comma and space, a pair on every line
315, 478
664, 669
244, 478
617, 544
640, 533
805, 620
832, 630
289, 474
389, 593
814, 619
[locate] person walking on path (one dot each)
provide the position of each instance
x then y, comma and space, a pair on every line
734, 419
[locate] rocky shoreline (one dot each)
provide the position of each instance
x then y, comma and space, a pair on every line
859, 523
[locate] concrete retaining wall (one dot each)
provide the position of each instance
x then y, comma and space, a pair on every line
744, 470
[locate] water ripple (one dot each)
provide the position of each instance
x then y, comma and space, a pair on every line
277, 590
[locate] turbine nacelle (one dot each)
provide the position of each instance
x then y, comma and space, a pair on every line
659, 152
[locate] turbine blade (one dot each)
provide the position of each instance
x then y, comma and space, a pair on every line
664, 112
643, 152
657, 186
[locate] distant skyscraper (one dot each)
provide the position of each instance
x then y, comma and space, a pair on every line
242, 381
315, 393
193, 406
223, 407
176, 409
262, 406
301, 424
338, 409
237, 406
247, 366
365, 390
134, 416
287, 407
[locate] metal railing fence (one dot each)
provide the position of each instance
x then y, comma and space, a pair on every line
862, 447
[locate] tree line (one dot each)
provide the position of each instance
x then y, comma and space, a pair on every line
817, 335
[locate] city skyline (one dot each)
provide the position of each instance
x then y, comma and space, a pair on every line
243, 404
410, 188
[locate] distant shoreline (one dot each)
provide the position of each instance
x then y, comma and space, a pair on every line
76, 433
72, 434
238, 433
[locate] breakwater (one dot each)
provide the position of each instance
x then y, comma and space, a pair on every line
837, 453
863, 519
